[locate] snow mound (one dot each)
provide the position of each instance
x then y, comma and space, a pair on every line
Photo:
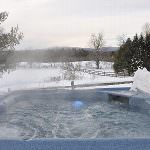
141, 81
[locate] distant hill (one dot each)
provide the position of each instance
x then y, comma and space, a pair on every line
105, 49
110, 49
59, 54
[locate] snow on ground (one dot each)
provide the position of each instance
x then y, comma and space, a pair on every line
46, 75
141, 80
104, 66
108, 86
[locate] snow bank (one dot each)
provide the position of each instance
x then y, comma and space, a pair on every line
141, 81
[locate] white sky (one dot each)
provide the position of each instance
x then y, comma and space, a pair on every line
48, 23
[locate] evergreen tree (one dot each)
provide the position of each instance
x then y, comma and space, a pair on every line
141, 52
118, 60
135, 57
128, 55
133, 54
123, 57
146, 62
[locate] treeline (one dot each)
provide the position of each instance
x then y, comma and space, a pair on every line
49, 55
133, 54
55, 55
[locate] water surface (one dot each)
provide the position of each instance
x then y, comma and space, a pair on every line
69, 114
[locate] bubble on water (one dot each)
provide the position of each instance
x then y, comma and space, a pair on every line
77, 104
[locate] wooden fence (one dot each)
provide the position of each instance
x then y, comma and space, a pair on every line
103, 73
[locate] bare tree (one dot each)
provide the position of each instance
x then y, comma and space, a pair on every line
71, 70
146, 29
8, 40
97, 42
11, 39
122, 39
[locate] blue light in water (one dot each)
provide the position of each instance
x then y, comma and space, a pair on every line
77, 104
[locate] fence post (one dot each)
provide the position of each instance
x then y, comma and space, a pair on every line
72, 85
116, 74
124, 73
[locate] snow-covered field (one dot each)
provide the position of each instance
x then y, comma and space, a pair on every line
44, 75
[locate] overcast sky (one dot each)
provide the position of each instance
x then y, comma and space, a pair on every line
48, 23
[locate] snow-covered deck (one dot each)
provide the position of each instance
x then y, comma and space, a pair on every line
134, 98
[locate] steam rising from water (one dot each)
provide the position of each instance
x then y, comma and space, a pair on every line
58, 114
